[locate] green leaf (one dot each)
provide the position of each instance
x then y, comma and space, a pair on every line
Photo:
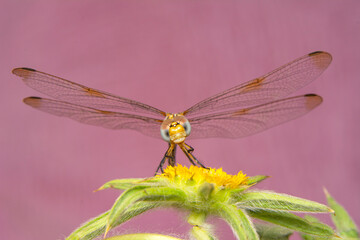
280, 202
312, 237
272, 232
141, 193
142, 236
292, 221
90, 229
123, 202
96, 226
239, 222
135, 210
342, 220
313, 219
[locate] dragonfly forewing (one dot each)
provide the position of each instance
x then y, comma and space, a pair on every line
272, 86
67, 91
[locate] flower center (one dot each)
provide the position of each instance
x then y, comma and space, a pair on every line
200, 175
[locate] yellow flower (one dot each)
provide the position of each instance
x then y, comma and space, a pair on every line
200, 175
201, 193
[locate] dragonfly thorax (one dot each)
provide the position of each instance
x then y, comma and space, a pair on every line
175, 128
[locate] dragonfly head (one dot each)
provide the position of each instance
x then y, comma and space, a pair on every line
175, 128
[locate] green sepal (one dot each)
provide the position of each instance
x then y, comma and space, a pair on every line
279, 202
142, 236
293, 222
127, 183
239, 221
342, 220
256, 179
272, 232
164, 194
235, 192
205, 190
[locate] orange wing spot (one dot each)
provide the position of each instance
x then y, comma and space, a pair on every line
241, 112
253, 85
104, 112
33, 101
312, 101
93, 92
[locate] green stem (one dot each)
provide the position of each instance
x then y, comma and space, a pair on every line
200, 230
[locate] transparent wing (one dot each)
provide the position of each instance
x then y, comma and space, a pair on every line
274, 85
248, 121
64, 90
112, 120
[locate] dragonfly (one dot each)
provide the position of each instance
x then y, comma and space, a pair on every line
240, 111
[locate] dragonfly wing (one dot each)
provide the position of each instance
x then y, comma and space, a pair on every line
64, 90
112, 120
274, 85
248, 121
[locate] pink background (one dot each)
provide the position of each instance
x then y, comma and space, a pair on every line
169, 54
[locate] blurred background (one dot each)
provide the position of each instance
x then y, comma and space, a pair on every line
169, 54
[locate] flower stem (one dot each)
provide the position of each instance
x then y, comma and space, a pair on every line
200, 230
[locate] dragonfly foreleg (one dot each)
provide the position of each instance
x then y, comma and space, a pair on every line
170, 156
187, 149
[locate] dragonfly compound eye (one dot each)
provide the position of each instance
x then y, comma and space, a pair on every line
165, 134
187, 127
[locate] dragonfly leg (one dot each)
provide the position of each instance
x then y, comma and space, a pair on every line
170, 156
187, 149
